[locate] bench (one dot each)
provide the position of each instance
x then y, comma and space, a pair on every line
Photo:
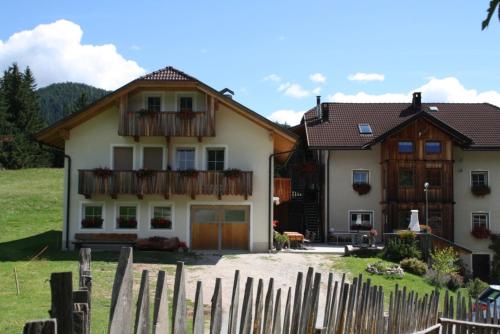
84, 239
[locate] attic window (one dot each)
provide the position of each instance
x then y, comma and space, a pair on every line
433, 108
365, 129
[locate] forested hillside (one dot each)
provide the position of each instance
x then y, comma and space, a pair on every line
61, 99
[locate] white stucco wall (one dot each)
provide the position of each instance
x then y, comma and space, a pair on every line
343, 198
467, 203
248, 147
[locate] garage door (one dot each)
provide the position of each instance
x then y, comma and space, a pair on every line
221, 227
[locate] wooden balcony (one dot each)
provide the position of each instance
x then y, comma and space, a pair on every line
167, 124
164, 183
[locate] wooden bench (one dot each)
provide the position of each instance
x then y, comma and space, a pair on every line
125, 239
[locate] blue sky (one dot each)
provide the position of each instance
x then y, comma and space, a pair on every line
276, 55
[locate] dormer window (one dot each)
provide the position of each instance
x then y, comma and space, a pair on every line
405, 146
154, 103
365, 129
186, 103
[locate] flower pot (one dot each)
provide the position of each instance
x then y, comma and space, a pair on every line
361, 188
480, 190
92, 223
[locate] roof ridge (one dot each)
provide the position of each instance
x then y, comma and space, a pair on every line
164, 71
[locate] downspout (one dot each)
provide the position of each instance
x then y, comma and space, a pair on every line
327, 195
270, 202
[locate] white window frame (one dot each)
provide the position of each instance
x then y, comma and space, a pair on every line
371, 212
153, 94
178, 146
192, 95
117, 213
81, 216
134, 155
480, 171
164, 152
152, 205
488, 217
360, 170
205, 155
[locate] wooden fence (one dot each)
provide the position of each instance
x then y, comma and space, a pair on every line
356, 307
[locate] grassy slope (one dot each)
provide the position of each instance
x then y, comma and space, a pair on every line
31, 207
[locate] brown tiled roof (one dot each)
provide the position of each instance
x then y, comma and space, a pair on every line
168, 73
479, 122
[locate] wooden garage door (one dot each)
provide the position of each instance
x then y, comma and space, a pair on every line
220, 227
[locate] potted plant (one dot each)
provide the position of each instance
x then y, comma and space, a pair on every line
232, 173
126, 222
280, 240
161, 223
425, 229
92, 222
103, 172
480, 232
190, 173
361, 188
183, 247
480, 190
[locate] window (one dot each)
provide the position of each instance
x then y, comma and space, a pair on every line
152, 158
128, 212
123, 158
361, 220
365, 129
92, 216
185, 158
480, 220
360, 177
161, 217
433, 147
479, 178
405, 147
434, 177
154, 103
186, 103
406, 177
127, 216
215, 159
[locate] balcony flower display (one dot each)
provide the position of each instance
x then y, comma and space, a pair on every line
191, 173
103, 172
126, 222
361, 188
480, 190
161, 223
480, 232
92, 222
232, 173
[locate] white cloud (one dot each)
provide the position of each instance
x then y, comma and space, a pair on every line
272, 77
55, 53
287, 116
318, 78
316, 91
135, 47
294, 90
365, 77
447, 89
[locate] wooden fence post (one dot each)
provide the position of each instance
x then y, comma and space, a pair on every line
179, 324
142, 309
259, 306
277, 314
216, 313
268, 308
246, 309
198, 316
233, 309
286, 318
48, 326
120, 316
297, 305
160, 312
61, 286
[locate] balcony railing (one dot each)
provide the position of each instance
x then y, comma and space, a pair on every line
166, 124
164, 183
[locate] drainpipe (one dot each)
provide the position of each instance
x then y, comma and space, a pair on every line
270, 203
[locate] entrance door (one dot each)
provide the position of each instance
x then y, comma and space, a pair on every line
481, 266
220, 227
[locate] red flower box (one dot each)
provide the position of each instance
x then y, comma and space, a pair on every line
361, 188
161, 223
126, 223
92, 222
480, 232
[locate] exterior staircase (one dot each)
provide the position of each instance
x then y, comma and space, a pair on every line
312, 219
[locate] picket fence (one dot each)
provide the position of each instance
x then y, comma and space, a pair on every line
356, 307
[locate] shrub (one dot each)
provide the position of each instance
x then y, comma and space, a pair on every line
280, 240
475, 287
400, 248
414, 266
456, 282
444, 265
406, 234
385, 269
437, 279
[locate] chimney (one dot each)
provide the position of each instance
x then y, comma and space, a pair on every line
318, 107
324, 112
417, 101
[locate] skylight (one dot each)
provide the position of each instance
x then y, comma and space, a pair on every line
365, 129
433, 108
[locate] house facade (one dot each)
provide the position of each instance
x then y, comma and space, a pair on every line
382, 160
168, 156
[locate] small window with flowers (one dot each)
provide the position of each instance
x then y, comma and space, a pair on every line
92, 215
161, 217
